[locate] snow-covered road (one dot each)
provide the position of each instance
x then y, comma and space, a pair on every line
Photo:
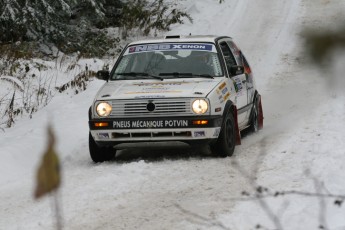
301, 147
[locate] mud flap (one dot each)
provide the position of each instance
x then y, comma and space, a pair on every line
261, 114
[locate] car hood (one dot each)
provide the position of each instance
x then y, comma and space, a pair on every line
198, 87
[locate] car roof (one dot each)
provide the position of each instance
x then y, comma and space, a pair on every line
180, 38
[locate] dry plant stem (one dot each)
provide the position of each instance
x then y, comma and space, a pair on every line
201, 219
252, 181
56, 209
323, 208
286, 193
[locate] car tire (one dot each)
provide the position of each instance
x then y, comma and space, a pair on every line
100, 154
225, 145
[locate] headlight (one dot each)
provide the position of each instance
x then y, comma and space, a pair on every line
200, 106
103, 109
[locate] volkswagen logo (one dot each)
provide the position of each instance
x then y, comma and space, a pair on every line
150, 106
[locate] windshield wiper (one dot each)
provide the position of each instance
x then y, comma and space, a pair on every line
134, 74
203, 75
181, 75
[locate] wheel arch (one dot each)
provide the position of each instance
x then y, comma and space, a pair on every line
90, 113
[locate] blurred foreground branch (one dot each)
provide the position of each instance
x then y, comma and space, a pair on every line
48, 176
320, 44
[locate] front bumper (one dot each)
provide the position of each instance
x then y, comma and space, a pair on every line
185, 129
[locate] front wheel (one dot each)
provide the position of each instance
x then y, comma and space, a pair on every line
100, 154
225, 145
254, 124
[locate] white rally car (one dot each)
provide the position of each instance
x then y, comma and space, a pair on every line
193, 89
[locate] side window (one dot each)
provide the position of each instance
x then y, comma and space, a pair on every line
229, 58
235, 51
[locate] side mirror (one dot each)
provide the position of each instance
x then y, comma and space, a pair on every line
236, 70
103, 75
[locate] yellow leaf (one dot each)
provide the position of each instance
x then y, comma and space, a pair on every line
48, 173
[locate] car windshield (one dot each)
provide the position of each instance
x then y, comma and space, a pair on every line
163, 61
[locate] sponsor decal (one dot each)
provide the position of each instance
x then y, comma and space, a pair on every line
238, 84
222, 86
149, 124
225, 90
152, 84
199, 134
220, 98
216, 132
150, 96
103, 135
226, 96
155, 88
161, 91
131, 49
176, 46
121, 124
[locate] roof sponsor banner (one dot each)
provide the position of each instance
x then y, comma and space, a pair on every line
172, 46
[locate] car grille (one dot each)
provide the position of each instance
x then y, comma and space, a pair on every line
151, 108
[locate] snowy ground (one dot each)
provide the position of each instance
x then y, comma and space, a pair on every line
301, 147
